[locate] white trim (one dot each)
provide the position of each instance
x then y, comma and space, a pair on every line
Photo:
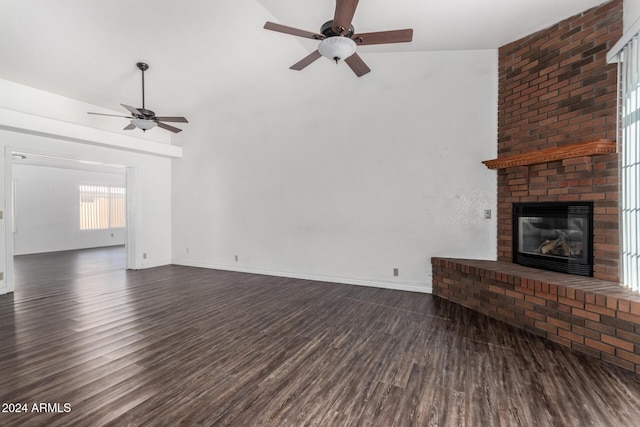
153, 264
134, 218
20, 122
8, 220
399, 286
613, 55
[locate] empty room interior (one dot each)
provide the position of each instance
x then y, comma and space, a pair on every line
338, 213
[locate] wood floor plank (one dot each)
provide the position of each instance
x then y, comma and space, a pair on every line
188, 346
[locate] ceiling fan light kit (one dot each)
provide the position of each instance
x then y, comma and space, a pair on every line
144, 124
144, 119
338, 40
337, 48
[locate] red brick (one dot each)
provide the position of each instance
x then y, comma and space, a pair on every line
535, 315
628, 317
605, 348
524, 290
559, 323
514, 294
571, 302
571, 336
616, 342
547, 296
496, 289
546, 327
560, 340
635, 308
631, 357
600, 310
585, 314
584, 332
524, 304
535, 300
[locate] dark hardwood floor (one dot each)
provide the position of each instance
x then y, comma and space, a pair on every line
188, 346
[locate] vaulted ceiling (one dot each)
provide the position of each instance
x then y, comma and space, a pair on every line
201, 50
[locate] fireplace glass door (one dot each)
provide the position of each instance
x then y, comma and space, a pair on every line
554, 236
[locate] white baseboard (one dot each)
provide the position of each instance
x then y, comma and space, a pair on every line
399, 286
153, 264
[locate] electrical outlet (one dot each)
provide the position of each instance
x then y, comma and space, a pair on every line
236, 258
396, 272
487, 214
144, 255
187, 250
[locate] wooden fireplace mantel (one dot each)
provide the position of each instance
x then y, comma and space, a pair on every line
581, 149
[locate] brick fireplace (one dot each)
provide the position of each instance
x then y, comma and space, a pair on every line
555, 90
557, 114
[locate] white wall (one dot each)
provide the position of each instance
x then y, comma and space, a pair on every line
322, 175
631, 12
47, 214
153, 171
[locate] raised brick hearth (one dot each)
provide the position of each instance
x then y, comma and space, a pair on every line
589, 315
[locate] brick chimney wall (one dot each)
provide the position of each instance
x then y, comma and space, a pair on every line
556, 89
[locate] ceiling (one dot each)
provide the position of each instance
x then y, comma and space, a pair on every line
201, 50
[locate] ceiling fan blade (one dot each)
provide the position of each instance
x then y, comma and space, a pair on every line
345, 9
293, 31
383, 37
167, 127
306, 61
357, 65
110, 115
173, 119
129, 126
134, 111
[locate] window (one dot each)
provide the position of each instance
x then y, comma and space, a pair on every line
102, 207
630, 163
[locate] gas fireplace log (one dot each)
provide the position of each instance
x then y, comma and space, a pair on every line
547, 246
559, 246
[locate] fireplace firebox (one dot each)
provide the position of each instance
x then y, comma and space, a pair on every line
556, 236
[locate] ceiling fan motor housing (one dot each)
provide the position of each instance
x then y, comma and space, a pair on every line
327, 30
148, 114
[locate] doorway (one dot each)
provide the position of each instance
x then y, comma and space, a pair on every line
64, 206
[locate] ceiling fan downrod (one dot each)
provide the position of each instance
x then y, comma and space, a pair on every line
142, 67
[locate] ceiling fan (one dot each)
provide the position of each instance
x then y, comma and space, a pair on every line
338, 40
144, 119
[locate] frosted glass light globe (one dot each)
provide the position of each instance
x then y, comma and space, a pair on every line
143, 124
337, 48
